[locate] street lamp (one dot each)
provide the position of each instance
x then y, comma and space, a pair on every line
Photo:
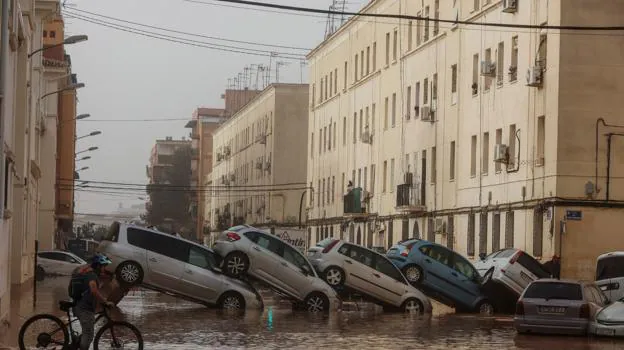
83, 168
93, 133
93, 148
82, 116
68, 87
70, 40
83, 158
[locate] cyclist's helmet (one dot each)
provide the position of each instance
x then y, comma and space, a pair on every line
100, 260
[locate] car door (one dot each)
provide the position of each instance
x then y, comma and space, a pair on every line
359, 267
435, 265
390, 284
464, 280
47, 261
68, 264
294, 271
166, 257
199, 280
264, 256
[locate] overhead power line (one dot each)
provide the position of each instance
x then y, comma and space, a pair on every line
185, 41
184, 190
409, 17
74, 10
69, 181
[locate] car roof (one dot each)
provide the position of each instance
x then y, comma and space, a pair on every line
162, 233
610, 255
249, 228
342, 241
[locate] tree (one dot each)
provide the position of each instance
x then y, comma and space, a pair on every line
169, 201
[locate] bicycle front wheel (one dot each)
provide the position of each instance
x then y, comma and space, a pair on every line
118, 335
43, 332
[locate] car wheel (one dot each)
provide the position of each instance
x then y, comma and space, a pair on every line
236, 264
486, 308
487, 277
413, 305
413, 273
334, 276
129, 273
316, 302
231, 301
40, 273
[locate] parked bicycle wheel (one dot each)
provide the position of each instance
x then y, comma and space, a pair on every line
118, 335
43, 332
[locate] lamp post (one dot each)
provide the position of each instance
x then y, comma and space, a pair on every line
75, 86
84, 158
90, 149
83, 168
92, 133
69, 41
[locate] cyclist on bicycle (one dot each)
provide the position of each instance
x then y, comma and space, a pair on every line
86, 293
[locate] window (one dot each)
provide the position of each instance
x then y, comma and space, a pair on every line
52, 34
359, 179
331, 83
496, 232
454, 79
326, 92
386, 113
426, 91
374, 56
387, 268
320, 141
485, 158
487, 81
452, 161
201, 258
408, 103
158, 243
426, 23
475, 74
533, 266
434, 168
344, 131
335, 132
312, 146
513, 68
333, 189
323, 193
364, 186
473, 155
417, 100
335, 81
409, 35
541, 54
387, 49
311, 104
462, 266
346, 75
512, 146
483, 229
434, 88
372, 179
269, 243
541, 137
476, 5
471, 235
509, 229
500, 63
367, 117
325, 139
329, 139
419, 30
394, 108
437, 253
385, 176
343, 181
361, 122
538, 232
554, 291
311, 195
294, 257
391, 174
499, 140
45, 33
395, 40
355, 69
318, 194
368, 60
436, 15
362, 63
354, 127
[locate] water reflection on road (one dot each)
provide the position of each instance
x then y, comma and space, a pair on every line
169, 323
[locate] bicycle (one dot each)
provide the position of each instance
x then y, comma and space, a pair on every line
71, 339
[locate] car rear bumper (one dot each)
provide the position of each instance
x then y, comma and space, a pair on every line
527, 325
615, 330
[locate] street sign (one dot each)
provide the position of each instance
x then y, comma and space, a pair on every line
293, 236
574, 215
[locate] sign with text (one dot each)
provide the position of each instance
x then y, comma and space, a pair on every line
295, 237
574, 215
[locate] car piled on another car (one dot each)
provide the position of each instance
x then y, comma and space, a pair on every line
247, 250
366, 272
175, 266
441, 273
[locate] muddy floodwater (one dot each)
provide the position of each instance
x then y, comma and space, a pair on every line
170, 323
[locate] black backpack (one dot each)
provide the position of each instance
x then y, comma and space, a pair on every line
78, 285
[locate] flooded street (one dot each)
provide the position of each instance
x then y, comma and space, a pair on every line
170, 323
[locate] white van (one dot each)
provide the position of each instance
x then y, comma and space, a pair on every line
610, 274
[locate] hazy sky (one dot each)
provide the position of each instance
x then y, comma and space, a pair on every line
129, 76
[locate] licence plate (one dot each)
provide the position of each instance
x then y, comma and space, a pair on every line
605, 331
526, 277
551, 310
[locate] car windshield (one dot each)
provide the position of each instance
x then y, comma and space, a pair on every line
324, 243
408, 242
554, 290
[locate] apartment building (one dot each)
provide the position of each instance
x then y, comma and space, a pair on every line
161, 158
475, 137
259, 172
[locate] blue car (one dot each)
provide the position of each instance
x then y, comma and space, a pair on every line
442, 274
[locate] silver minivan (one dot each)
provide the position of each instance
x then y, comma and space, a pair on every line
610, 274
167, 263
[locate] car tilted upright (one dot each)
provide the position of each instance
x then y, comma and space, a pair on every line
174, 265
442, 273
247, 250
366, 272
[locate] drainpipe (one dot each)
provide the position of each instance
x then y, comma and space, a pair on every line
301, 207
4, 53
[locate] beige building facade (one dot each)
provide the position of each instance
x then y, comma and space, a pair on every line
475, 137
259, 164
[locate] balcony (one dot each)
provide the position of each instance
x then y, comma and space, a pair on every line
408, 199
353, 203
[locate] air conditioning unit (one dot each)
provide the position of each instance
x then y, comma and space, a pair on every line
425, 114
534, 76
500, 153
510, 6
488, 69
367, 137
259, 165
440, 226
409, 178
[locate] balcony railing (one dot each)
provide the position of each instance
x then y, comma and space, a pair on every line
408, 198
353, 203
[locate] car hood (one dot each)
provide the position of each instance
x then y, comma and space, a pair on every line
612, 313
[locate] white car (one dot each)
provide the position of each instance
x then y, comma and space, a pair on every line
57, 262
610, 274
511, 268
610, 320
366, 272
